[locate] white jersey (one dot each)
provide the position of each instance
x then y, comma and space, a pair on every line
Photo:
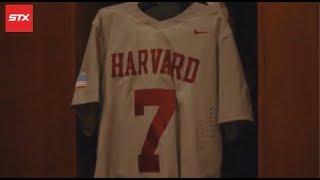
164, 88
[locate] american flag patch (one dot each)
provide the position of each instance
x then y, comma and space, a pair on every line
82, 80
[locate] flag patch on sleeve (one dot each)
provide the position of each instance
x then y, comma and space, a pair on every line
82, 80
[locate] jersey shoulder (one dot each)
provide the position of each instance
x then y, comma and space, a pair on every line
211, 9
120, 7
117, 9
217, 8
106, 14
221, 7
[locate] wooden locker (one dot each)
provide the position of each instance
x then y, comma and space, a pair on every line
288, 36
37, 132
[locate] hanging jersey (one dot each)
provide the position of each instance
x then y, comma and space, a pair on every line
164, 88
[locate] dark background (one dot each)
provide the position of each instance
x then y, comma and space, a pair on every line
240, 158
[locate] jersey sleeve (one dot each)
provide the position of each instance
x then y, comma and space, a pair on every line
88, 82
234, 99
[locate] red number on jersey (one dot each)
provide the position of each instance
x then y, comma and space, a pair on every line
166, 100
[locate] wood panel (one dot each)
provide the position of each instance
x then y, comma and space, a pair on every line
288, 89
37, 132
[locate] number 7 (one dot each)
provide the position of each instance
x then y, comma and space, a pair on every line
166, 100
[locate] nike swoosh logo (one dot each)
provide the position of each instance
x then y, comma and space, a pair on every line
199, 32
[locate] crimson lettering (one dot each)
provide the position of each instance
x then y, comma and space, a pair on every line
155, 61
130, 66
117, 65
143, 60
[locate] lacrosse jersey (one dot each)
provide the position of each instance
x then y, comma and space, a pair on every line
164, 87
